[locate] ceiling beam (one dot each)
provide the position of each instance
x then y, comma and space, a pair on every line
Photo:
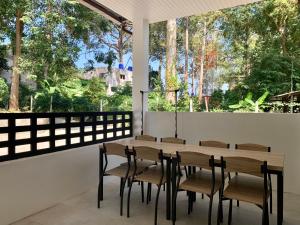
108, 13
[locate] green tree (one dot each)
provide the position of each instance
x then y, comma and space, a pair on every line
121, 100
248, 105
4, 93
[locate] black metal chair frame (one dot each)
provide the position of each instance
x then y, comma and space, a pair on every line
123, 179
161, 158
264, 207
191, 195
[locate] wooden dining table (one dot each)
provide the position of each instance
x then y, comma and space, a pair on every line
275, 163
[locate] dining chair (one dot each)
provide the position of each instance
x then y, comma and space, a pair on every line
124, 171
259, 148
251, 185
145, 138
173, 140
205, 181
154, 174
216, 144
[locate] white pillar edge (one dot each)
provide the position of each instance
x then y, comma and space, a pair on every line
140, 81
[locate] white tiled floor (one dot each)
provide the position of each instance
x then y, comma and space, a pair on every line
82, 210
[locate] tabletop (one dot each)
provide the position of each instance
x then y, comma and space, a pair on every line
275, 160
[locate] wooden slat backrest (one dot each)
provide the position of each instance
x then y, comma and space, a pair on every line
145, 138
194, 159
115, 149
147, 153
243, 165
173, 140
216, 144
253, 147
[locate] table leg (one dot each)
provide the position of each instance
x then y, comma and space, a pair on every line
280, 198
174, 178
168, 191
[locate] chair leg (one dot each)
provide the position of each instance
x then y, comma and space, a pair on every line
174, 207
238, 203
265, 218
210, 209
219, 220
189, 202
202, 196
221, 207
142, 190
156, 205
271, 202
271, 196
128, 198
128, 182
230, 212
99, 199
123, 183
193, 197
149, 193
186, 172
100, 185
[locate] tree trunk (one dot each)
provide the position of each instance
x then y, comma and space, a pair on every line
186, 52
193, 79
202, 60
120, 46
49, 38
171, 58
283, 40
246, 54
160, 71
15, 80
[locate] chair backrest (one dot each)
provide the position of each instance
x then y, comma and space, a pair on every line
115, 149
195, 159
253, 147
173, 140
147, 153
216, 144
244, 165
145, 138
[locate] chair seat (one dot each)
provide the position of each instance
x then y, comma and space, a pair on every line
120, 171
201, 182
151, 175
140, 164
246, 188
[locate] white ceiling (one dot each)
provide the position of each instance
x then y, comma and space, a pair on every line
160, 10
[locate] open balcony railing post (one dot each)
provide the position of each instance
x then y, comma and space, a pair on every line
63, 131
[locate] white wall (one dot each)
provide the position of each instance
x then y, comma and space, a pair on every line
280, 131
32, 184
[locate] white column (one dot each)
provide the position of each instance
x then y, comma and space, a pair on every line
140, 54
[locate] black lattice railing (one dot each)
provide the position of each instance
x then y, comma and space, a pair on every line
30, 134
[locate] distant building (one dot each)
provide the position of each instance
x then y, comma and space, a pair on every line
117, 77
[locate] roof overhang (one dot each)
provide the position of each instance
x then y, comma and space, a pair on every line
161, 10
107, 13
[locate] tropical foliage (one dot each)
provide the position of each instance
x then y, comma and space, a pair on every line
237, 58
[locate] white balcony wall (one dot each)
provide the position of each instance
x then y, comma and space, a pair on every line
30, 185
280, 131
